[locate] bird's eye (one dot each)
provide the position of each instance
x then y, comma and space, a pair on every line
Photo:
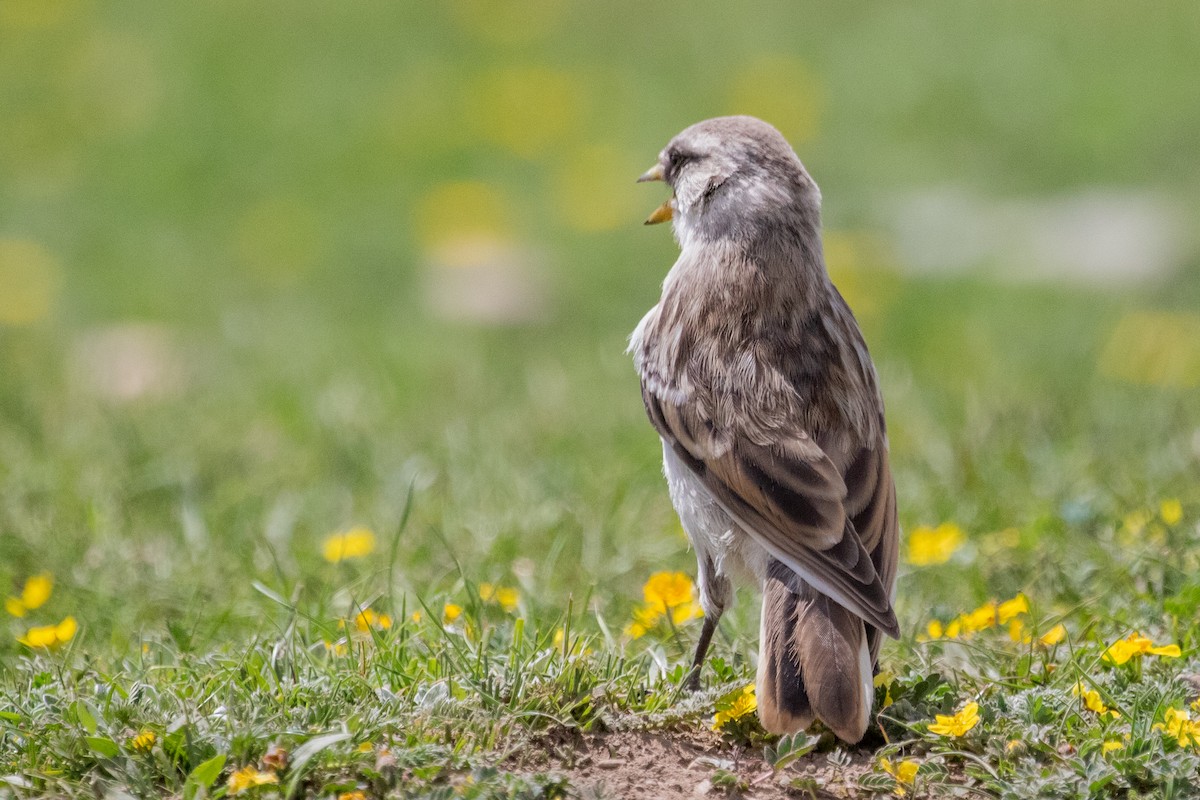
677, 159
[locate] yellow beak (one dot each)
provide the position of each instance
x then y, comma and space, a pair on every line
666, 210
655, 173
661, 214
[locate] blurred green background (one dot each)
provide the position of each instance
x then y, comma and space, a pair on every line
267, 269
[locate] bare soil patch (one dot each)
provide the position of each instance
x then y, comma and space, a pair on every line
688, 764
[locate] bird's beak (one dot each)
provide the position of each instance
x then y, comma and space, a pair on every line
662, 213
666, 210
655, 173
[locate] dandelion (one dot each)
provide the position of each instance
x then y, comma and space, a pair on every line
48, 636
336, 648
450, 613
905, 772
927, 546
734, 706
355, 795
957, 724
249, 777
1137, 645
1178, 723
354, 543
143, 742
34, 594
1171, 511
1111, 744
1092, 702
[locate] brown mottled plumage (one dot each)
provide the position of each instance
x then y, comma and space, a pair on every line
758, 381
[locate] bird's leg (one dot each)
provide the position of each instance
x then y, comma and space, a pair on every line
706, 634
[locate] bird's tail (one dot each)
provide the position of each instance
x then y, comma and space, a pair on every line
813, 663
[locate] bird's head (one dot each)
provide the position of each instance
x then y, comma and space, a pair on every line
730, 175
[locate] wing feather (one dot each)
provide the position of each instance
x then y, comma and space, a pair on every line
791, 498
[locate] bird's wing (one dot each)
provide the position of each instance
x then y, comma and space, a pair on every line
871, 505
789, 496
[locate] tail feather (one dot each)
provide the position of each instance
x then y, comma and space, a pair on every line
783, 705
814, 663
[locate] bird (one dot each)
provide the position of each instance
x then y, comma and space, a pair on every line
756, 376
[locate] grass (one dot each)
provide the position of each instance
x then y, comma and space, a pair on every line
191, 556
237, 359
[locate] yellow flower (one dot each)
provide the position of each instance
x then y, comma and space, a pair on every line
1016, 631
1092, 701
644, 618
980, 619
905, 772
416, 616
928, 545
248, 777
143, 742
507, 597
957, 724
337, 648
885, 679
354, 543
1177, 722
50, 635
1109, 745
37, 590
664, 590
1010, 609
735, 707
1171, 511
355, 795
34, 594
451, 612
665, 593
1135, 644
1054, 635
367, 619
